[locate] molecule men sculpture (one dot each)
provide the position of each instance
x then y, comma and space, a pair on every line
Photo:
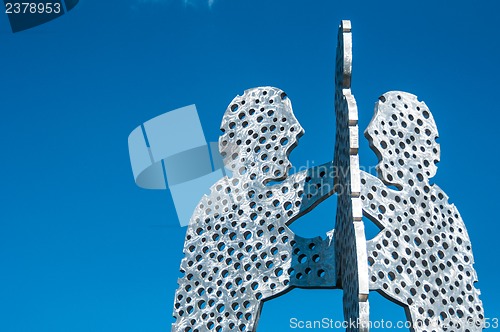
240, 252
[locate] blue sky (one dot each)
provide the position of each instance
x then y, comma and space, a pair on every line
82, 248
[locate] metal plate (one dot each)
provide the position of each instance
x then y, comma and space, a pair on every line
422, 258
239, 251
350, 239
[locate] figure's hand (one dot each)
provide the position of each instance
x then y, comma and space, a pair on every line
318, 184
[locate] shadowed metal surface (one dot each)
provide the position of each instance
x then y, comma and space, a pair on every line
350, 246
422, 258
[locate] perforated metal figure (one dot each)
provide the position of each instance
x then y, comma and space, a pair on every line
422, 258
238, 249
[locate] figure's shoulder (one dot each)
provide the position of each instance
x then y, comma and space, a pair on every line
441, 199
210, 202
438, 194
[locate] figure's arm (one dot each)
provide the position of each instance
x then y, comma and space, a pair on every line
372, 202
317, 184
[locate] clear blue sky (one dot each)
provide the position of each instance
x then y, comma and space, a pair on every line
83, 249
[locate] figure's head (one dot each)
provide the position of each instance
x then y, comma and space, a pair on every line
259, 131
403, 135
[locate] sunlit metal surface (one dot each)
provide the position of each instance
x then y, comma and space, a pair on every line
238, 249
422, 258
